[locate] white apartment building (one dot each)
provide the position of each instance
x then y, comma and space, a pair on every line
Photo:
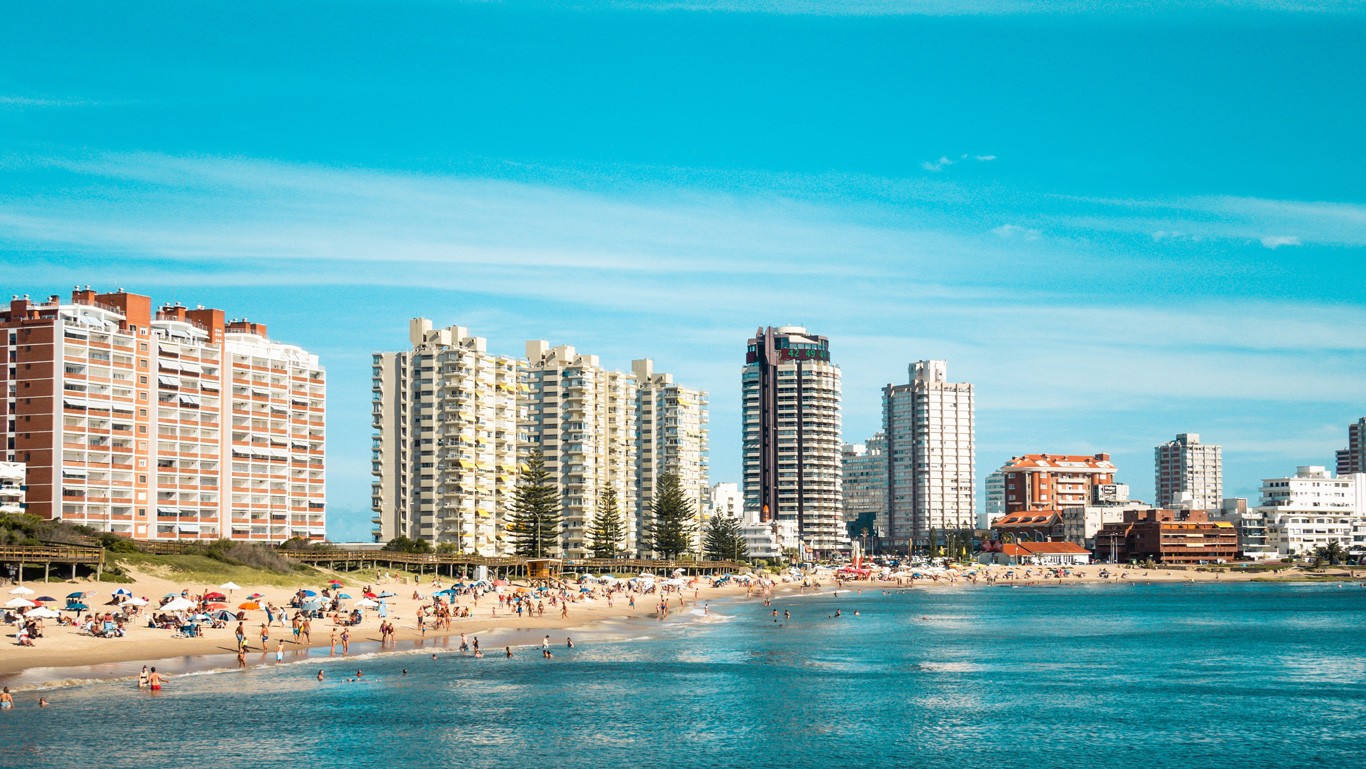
931, 454
173, 424
671, 438
790, 405
445, 455
1308, 510
582, 417
11, 487
1189, 473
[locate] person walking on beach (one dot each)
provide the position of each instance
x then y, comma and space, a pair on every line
241, 660
307, 629
346, 640
280, 651
332, 646
265, 638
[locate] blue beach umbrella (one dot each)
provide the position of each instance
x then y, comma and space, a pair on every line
387, 594
308, 593
76, 606
344, 595
75, 596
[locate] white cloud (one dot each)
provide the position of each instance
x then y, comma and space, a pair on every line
1016, 231
1274, 242
937, 165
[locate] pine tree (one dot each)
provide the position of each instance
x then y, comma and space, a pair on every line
671, 519
723, 541
607, 530
536, 521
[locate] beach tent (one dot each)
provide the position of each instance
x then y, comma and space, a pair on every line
223, 615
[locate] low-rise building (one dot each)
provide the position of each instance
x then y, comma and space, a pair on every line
1167, 536
1313, 509
1037, 554
1108, 504
1030, 525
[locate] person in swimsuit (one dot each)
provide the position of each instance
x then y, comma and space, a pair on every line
142, 678
6, 699
154, 680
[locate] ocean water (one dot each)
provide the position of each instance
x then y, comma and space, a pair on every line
1179, 675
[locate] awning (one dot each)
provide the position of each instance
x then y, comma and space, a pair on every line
191, 367
68, 472
170, 365
189, 400
168, 380
205, 384
168, 511
188, 528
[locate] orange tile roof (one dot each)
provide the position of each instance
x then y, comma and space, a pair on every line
1054, 548
1076, 462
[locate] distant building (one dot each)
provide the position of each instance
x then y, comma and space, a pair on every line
1167, 536
1081, 522
1251, 526
1310, 509
931, 455
1189, 473
865, 487
1052, 481
1353, 458
996, 500
725, 499
11, 487
790, 406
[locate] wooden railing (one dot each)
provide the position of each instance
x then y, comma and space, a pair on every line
35, 554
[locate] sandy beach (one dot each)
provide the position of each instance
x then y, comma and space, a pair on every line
64, 653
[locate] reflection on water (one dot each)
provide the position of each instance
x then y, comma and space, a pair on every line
1162, 676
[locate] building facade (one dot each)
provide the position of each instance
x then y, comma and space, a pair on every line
582, 418
995, 505
1312, 509
931, 455
444, 454
173, 424
1052, 481
1352, 459
790, 404
1189, 473
671, 438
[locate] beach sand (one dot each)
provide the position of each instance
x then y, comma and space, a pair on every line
64, 654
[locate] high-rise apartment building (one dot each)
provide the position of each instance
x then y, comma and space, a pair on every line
790, 402
791, 436
582, 417
930, 454
1189, 473
671, 438
1054, 481
1353, 458
173, 424
445, 447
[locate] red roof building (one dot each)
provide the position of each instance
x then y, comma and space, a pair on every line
1052, 481
1039, 554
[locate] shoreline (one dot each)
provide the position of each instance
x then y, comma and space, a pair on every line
66, 658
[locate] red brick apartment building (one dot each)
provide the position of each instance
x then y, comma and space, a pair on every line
165, 425
1167, 536
1050, 482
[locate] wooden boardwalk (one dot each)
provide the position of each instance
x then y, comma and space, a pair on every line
23, 557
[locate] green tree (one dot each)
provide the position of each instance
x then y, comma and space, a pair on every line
401, 544
1333, 553
536, 520
672, 520
723, 541
607, 530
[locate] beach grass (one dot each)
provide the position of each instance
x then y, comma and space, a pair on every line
194, 569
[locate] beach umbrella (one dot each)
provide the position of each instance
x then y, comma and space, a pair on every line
75, 606
344, 596
44, 598
229, 586
223, 615
214, 596
138, 601
42, 612
249, 605
21, 590
370, 594
129, 593
177, 604
164, 597
77, 594
308, 593
366, 603
311, 606
215, 605
386, 594
19, 603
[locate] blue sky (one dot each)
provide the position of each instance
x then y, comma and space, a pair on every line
1120, 225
